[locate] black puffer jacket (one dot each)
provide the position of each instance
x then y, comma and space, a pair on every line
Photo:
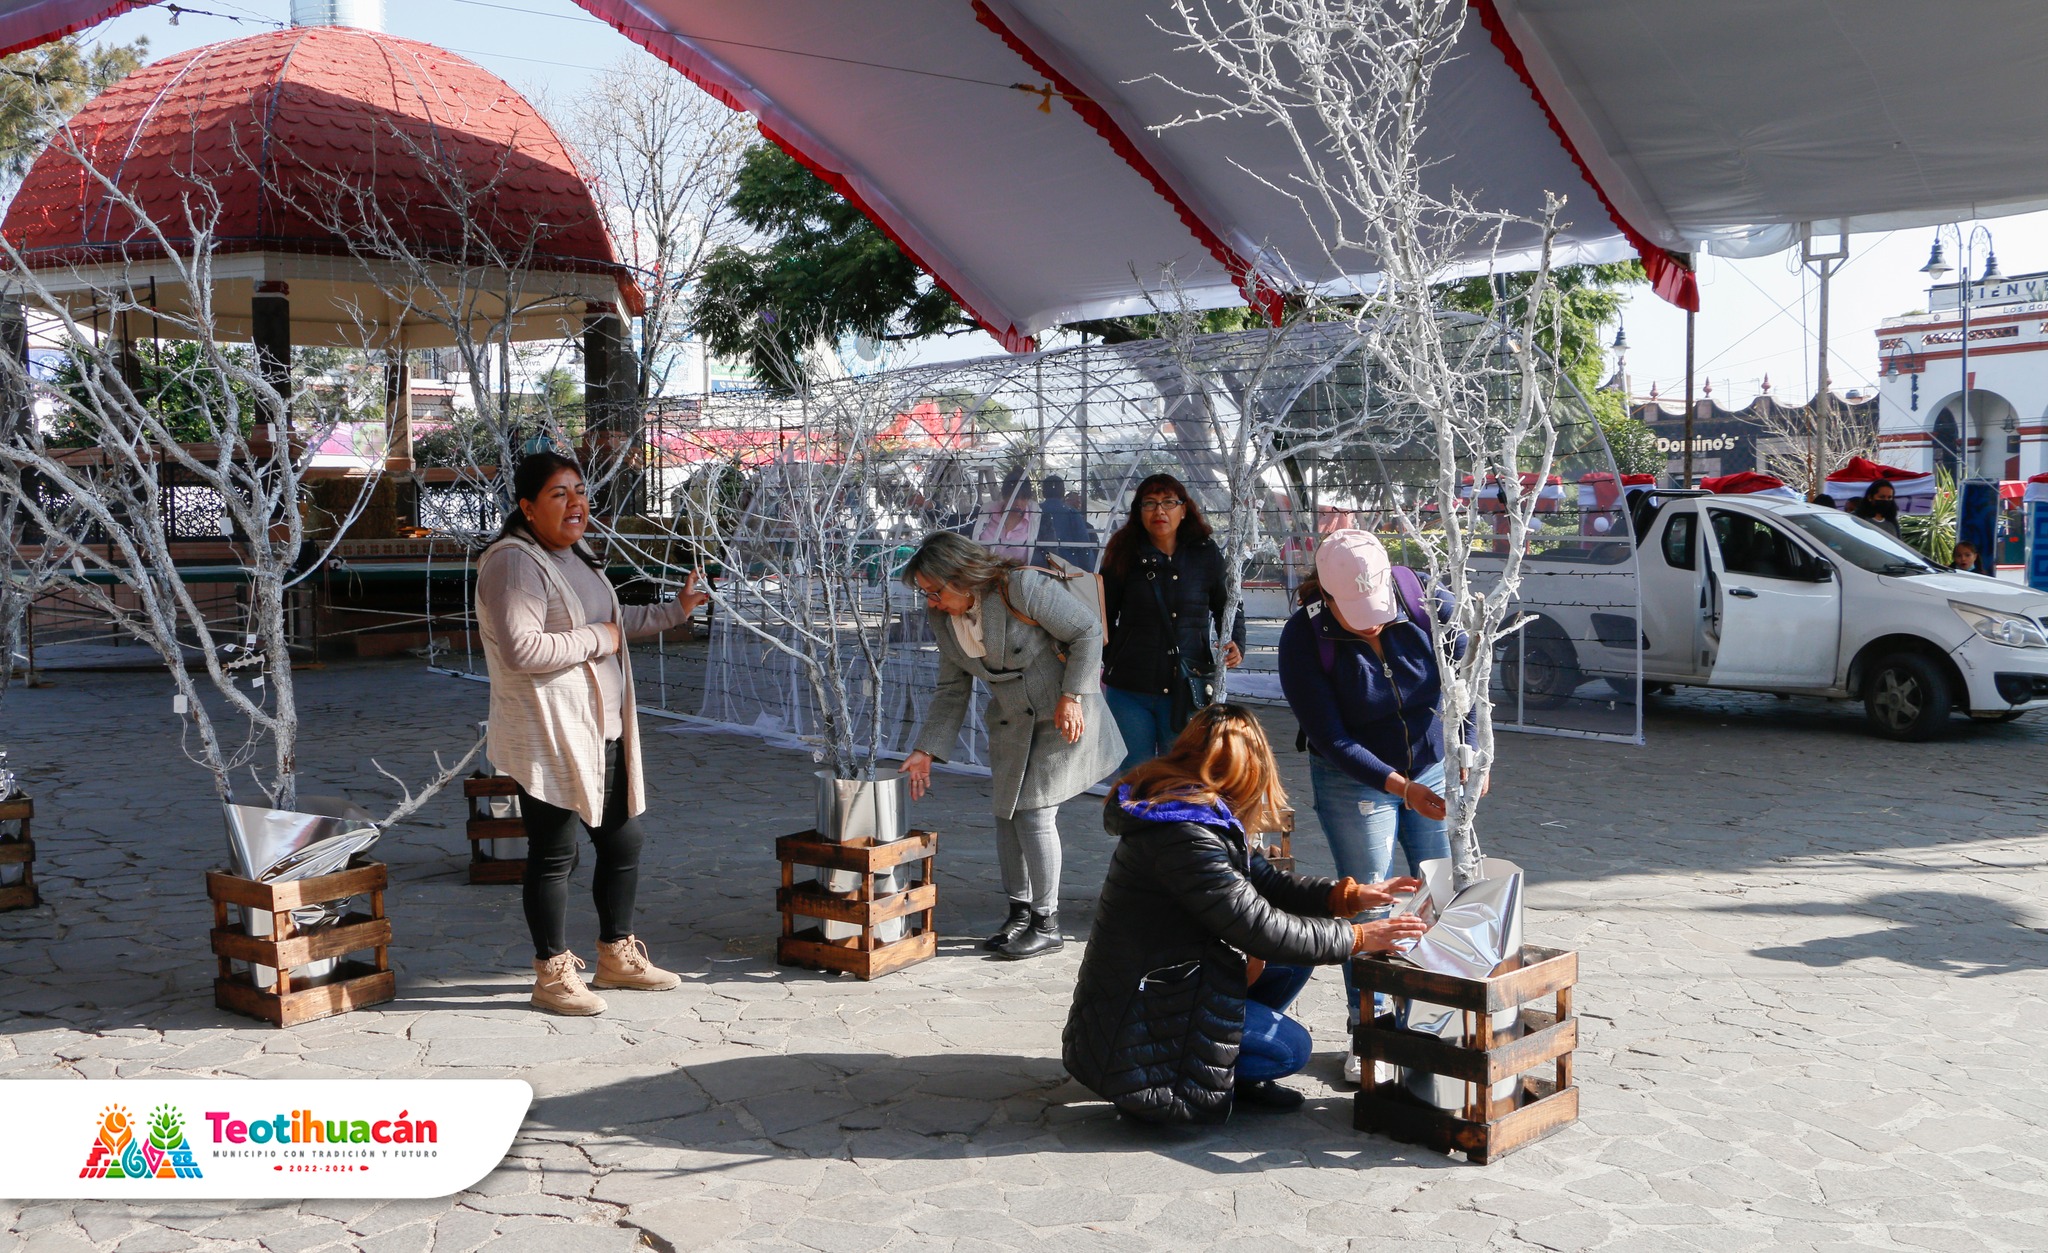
1139, 656
1159, 1009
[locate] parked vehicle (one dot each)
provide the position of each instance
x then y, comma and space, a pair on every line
1768, 595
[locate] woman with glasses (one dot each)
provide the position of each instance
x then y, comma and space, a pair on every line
1163, 593
1038, 648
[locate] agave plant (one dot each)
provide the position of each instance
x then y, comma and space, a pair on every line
1934, 532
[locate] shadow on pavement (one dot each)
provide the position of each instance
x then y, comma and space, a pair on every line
1956, 933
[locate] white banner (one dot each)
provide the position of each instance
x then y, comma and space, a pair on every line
236, 1138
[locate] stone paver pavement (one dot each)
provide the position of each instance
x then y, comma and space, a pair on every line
1812, 1001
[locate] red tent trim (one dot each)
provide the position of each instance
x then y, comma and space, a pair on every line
1256, 294
1670, 278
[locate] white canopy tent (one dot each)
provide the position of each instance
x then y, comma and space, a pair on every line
1008, 145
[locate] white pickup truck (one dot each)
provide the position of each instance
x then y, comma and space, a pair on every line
1769, 595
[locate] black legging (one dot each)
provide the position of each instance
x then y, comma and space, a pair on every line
551, 855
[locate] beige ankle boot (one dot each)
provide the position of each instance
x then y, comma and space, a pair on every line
558, 987
624, 964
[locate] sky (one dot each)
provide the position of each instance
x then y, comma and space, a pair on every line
1758, 318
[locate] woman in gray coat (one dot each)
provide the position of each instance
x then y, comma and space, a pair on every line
1038, 647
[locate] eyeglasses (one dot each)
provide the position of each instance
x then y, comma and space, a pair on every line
1160, 505
932, 595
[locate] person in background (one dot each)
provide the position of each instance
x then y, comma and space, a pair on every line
1963, 557
1880, 507
1824, 500
1358, 666
563, 725
1163, 594
1039, 651
1200, 945
1009, 523
1063, 530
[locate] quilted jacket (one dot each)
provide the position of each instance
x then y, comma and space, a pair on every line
1158, 1012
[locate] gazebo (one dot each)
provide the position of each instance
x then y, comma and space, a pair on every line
344, 181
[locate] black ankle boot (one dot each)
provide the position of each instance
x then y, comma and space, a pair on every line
1042, 936
1266, 1094
1013, 926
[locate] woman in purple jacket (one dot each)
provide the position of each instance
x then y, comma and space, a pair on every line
1358, 666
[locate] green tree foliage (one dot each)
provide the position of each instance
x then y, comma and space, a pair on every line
176, 385
42, 87
823, 272
1584, 301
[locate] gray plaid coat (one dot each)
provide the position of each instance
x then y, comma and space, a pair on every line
1033, 764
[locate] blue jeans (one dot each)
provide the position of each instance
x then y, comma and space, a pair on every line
1363, 823
1145, 719
1275, 1045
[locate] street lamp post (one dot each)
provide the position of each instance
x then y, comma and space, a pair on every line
1935, 269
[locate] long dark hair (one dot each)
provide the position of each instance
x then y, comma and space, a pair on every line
1122, 549
528, 481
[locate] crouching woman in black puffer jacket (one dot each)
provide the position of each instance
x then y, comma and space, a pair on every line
1198, 944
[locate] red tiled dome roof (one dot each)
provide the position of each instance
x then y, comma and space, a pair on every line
278, 124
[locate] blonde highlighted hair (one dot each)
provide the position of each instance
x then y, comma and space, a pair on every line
1222, 754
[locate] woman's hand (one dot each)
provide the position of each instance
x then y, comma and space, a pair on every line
1068, 719
1422, 801
690, 598
1387, 935
614, 639
1349, 896
919, 767
1233, 656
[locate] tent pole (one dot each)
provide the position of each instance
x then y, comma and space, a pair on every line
1689, 316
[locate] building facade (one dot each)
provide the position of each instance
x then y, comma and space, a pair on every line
1921, 420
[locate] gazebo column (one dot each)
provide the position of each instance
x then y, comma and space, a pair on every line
270, 322
398, 412
611, 409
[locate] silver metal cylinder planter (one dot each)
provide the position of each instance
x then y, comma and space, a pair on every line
873, 808
277, 845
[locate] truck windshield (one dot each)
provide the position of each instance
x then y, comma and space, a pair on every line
1856, 541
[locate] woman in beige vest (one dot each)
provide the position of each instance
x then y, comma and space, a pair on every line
563, 726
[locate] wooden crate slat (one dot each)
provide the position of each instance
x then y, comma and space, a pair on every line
808, 949
1543, 971
490, 785
1539, 1039
19, 896
355, 933
272, 897
861, 856
497, 828
357, 985
498, 870
17, 852
19, 807
812, 902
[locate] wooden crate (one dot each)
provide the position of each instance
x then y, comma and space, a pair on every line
19, 849
484, 868
863, 955
1487, 1127
355, 984
1280, 851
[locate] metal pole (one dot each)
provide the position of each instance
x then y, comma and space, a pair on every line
1825, 264
1689, 316
1963, 473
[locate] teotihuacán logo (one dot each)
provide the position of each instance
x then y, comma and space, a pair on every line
231, 1138
160, 1153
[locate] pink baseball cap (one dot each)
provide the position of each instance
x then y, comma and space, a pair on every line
1357, 577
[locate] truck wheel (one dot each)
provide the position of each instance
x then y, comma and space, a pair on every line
1553, 663
1907, 697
